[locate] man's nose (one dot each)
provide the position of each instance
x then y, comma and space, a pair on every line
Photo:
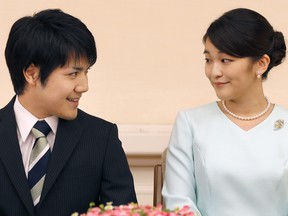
82, 85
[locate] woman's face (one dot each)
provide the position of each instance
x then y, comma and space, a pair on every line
231, 77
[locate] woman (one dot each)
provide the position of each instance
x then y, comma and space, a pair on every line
230, 157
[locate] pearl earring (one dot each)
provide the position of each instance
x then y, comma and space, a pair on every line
258, 75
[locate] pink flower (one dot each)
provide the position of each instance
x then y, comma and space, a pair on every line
133, 209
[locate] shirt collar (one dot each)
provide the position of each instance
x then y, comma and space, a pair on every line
25, 120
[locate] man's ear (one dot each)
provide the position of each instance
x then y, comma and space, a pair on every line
31, 74
263, 64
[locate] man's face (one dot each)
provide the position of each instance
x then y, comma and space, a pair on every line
62, 91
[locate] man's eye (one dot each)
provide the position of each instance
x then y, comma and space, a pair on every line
74, 74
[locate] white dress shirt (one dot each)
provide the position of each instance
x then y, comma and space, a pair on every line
25, 122
219, 169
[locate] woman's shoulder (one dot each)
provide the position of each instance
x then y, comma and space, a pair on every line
199, 114
279, 112
205, 109
280, 108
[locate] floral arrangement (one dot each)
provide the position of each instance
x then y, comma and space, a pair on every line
134, 209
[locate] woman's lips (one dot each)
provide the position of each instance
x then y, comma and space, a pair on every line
220, 84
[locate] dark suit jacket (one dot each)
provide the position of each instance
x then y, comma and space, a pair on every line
87, 165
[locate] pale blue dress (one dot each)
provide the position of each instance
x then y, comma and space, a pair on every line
218, 169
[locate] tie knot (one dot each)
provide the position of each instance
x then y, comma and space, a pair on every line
41, 128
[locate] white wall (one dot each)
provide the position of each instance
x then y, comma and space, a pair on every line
150, 61
150, 64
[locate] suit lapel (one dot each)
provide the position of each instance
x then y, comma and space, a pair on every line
11, 156
68, 135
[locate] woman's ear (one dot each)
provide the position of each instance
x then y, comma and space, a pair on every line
31, 74
263, 64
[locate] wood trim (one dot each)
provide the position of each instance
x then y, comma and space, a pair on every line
140, 160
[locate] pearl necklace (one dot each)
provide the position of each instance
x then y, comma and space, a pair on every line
245, 118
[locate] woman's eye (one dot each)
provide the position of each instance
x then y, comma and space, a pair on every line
207, 60
226, 60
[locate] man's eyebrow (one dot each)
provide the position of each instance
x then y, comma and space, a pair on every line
78, 68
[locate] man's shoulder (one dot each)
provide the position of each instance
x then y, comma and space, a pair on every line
88, 119
7, 111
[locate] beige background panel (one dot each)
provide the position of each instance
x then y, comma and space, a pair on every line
150, 53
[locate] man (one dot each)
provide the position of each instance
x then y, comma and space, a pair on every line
79, 158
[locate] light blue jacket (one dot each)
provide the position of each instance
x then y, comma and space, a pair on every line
218, 169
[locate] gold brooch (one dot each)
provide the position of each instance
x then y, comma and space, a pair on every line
278, 124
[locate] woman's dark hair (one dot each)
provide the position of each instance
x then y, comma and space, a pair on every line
245, 33
48, 39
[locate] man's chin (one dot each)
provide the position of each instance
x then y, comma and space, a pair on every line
70, 116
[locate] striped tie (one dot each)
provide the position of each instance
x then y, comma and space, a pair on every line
39, 158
